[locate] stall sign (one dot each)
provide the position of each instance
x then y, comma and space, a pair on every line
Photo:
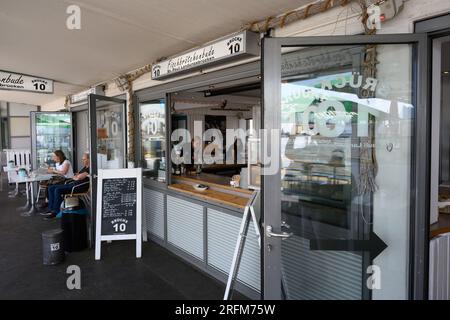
22, 82
83, 95
238, 45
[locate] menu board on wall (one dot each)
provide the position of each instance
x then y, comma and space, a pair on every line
119, 207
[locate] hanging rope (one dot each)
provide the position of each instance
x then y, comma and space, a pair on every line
295, 15
367, 156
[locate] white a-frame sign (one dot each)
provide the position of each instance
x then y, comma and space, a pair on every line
119, 207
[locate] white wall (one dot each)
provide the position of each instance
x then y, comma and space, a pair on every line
55, 105
392, 200
19, 125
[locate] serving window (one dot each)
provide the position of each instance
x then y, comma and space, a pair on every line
201, 120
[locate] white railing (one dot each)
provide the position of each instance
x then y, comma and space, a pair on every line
439, 282
21, 158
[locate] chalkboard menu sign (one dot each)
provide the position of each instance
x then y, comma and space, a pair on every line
119, 207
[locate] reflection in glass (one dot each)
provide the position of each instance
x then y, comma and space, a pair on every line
339, 110
53, 131
110, 137
153, 131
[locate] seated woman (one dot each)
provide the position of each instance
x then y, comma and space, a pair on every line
56, 192
63, 167
63, 170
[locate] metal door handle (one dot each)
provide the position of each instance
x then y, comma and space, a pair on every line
94, 176
283, 235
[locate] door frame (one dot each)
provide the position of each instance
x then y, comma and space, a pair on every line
420, 162
92, 116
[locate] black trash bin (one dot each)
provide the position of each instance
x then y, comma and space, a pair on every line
52, 247
74, 225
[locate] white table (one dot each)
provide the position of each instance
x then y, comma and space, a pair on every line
13, 179
29, 181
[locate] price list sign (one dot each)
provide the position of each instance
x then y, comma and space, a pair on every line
119, 207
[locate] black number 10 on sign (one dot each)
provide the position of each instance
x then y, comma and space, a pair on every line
234, 48
39, 86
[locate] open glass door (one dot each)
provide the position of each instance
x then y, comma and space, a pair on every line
344, 211
108, 139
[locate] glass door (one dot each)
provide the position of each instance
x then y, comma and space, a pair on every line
108, 138
344, 167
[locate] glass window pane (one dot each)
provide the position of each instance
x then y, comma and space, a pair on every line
153, 139
110, 135
347, 118
53, 132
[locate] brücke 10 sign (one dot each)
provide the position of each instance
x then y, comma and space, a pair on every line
22, 82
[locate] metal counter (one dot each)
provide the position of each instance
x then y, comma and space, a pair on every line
203, 233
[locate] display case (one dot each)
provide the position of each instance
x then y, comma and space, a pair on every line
50, 131
153, 139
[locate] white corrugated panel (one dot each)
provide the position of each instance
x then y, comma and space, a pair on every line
319, 275
439, 278
223, 230
185, 226
154, 212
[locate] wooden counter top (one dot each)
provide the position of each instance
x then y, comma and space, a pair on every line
212, 195
442, 226
211, 180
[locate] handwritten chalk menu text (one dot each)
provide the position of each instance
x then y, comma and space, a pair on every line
118, 209
119, 206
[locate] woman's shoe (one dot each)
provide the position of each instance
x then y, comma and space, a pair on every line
46, 214
51, 216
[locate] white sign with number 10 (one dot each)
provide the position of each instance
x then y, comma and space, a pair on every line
21, 82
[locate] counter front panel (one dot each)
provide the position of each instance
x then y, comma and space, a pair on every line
185, 226
154, 212
223, 230
204, 231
